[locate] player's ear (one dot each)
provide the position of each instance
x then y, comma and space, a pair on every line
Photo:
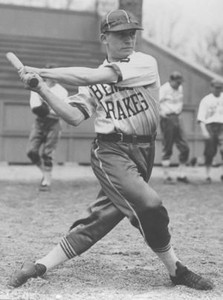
103, 38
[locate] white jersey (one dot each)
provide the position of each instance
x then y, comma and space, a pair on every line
36, 100
171, 100
130, 105
211, 109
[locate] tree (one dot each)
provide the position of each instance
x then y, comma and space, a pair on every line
209, 52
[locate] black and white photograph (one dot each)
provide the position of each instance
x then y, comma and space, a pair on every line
111, 149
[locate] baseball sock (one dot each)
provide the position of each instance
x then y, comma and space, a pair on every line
208, 171
55, 257
169, 259
166, 168
46, 177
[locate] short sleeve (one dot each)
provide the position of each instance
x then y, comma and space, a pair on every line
35, 100
201, 115
138, 70
84, 101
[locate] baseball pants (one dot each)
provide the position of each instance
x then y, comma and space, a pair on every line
173, 133
44, 136
123, 171
216, 141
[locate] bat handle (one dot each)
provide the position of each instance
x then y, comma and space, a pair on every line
33, 82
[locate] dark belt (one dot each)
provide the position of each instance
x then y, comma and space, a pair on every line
120, 137
172, 114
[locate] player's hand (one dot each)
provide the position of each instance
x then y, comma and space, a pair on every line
28, 69
26, 78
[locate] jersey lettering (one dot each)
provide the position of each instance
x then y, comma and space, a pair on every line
122, 108
102, 90
126, 107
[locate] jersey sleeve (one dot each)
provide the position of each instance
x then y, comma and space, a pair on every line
163, 91
138, 70
84, 101
35, 100
201, 114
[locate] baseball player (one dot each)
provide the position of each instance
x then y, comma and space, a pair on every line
45, 133
123, 94
171, 106
210, 118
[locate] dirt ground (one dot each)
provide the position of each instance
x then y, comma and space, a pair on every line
120, 266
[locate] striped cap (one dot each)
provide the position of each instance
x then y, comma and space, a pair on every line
119, 20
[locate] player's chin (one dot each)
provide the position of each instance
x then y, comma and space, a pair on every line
127, 51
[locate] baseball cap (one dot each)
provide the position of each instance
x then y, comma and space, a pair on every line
119, 20
176, 76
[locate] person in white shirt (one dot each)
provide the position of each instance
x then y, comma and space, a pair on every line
45, 133
171, 106
210, 118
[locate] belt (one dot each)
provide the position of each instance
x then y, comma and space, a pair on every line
172, 114
120, 137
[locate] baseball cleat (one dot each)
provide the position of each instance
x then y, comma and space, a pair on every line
44, 188
183, 179
27, 271
169, 180
208, 180
190, 279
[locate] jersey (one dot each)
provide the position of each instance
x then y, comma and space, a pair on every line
171, 100
130, 105
211, 109
36, 100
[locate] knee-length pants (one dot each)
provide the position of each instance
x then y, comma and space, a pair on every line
123, 170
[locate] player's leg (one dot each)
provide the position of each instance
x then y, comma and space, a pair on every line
124, 181
100, 218
52, 133
123, 171
220, 139
210, 150
167, 131
34, 143
184, 150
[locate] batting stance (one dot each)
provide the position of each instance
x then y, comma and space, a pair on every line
123, 94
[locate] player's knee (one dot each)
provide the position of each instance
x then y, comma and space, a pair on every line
47, 160
154, 200
33, 156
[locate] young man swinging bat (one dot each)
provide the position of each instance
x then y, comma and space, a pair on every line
123, 94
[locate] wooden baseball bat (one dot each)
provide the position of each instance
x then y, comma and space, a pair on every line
18, 65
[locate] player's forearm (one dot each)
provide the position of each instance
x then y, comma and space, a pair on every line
73, 75
77, 76
204, 130
69, 114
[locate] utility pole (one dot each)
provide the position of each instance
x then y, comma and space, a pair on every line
134, 6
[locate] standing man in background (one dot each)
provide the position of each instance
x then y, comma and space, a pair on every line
210, 118
171, 106
45, 133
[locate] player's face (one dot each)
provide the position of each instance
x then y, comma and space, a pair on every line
119, 44
216, 90
175, 84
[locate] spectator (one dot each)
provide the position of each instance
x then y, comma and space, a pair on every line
171, 106
45, 133
210, 118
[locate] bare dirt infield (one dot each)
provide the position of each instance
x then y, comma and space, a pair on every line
120, 266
